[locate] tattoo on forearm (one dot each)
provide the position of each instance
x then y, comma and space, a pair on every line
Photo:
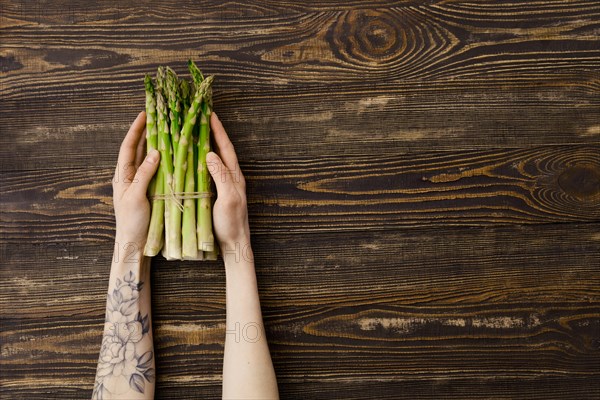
126, 356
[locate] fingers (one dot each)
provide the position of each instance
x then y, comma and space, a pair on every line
144, 174
140, 152
221, 175
128, 149
223, 145
226, 151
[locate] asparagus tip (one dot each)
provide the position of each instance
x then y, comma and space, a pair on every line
195, 72
148, 84
171, 73
160, 78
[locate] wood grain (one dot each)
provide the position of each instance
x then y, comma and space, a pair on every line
326, 78
423, 182
538, 185
424, 309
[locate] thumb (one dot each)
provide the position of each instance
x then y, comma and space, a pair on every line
145, 172
219, 172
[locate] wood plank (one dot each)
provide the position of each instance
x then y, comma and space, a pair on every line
492, 311
343, 259
540, 185
322, 78
424, 187
554, 388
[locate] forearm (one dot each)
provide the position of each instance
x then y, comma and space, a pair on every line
247, 369
126, 362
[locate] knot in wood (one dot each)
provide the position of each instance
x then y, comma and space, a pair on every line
581, 181
370, 37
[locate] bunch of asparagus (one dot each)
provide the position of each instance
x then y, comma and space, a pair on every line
178, 126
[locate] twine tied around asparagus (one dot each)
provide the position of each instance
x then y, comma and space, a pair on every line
177, 197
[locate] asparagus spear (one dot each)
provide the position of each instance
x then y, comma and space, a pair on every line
195, 72
157, 220
188, 228
184, 90
173, 94
181, 157
204, 224
204, 210
151, 132
211, 255
171, 250
197, 78
155, 230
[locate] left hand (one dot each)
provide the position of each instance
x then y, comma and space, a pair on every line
230, 212
130, 183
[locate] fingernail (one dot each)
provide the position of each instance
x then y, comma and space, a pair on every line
152, 157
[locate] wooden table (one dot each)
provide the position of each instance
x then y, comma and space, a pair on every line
423, 184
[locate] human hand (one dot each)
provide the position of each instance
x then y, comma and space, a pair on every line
132, 176
230, 212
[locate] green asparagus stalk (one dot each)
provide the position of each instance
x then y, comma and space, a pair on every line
184, 90
154, 241
195, 72
204, 209
181, 156
157, 219
197, 78
188, 228
204, 228
151, 132
172, 246
161, 77
211, 255
173, 94
196, 136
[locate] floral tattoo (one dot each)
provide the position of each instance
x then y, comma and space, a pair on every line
123, 363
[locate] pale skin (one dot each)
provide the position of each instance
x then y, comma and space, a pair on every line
126, 364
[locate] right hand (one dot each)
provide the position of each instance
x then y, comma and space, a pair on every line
230, 211
130, 183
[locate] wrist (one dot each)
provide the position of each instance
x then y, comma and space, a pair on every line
237, 252
128, 254
125, 239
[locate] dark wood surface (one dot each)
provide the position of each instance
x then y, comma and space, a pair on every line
423, 182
